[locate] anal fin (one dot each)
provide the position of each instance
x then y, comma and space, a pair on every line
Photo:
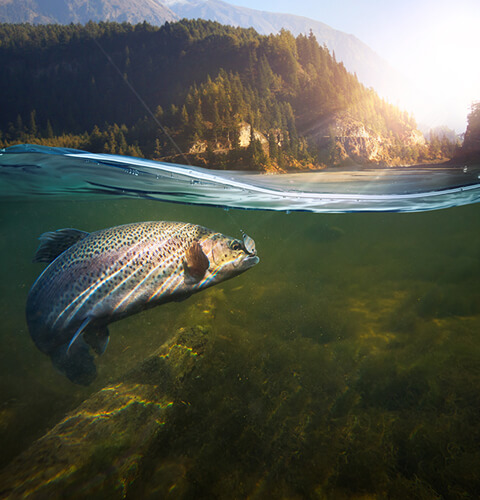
78, 364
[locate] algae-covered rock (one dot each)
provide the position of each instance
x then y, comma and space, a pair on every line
96, 451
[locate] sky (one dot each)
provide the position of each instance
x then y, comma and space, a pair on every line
435, 44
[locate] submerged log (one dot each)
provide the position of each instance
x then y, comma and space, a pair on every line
96, 451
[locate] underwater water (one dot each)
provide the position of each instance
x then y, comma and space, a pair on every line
346, 364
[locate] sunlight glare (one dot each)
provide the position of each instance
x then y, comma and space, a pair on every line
442, 62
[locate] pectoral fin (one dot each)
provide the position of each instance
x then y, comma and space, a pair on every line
78, 332
196, 263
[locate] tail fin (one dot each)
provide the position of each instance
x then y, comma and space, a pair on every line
78, 364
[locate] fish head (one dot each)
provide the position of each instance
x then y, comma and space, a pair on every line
227, 257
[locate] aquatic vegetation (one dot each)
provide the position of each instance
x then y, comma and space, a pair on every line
100, 446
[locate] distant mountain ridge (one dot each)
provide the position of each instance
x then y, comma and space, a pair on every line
82, 11
357, 57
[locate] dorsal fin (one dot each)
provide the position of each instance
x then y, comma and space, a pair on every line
53, 243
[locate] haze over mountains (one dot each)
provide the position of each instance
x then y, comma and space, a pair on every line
358, 58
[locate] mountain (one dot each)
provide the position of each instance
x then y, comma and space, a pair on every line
229, 97
82, 11
357, 57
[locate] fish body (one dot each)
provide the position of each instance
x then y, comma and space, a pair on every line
94, 279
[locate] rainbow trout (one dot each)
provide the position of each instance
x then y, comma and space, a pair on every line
94, 279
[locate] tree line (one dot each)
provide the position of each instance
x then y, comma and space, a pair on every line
202, 83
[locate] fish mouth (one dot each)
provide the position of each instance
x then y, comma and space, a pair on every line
244, 262
250, 260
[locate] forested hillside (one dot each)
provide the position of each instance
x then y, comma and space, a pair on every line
470, 150
228, 97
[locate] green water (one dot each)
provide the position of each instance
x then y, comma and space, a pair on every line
345, 365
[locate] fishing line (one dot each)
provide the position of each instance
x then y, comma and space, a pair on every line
142, 102
235, 222
155, 119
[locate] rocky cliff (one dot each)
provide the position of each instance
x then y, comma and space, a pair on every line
344, 139
341, 140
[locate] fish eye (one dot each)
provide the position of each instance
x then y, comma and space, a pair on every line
235, 245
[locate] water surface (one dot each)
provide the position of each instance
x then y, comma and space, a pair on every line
38, 171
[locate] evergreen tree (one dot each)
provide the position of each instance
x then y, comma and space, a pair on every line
472, 135
49, 130
33, 129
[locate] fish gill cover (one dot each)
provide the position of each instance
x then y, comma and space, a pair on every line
29, 170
